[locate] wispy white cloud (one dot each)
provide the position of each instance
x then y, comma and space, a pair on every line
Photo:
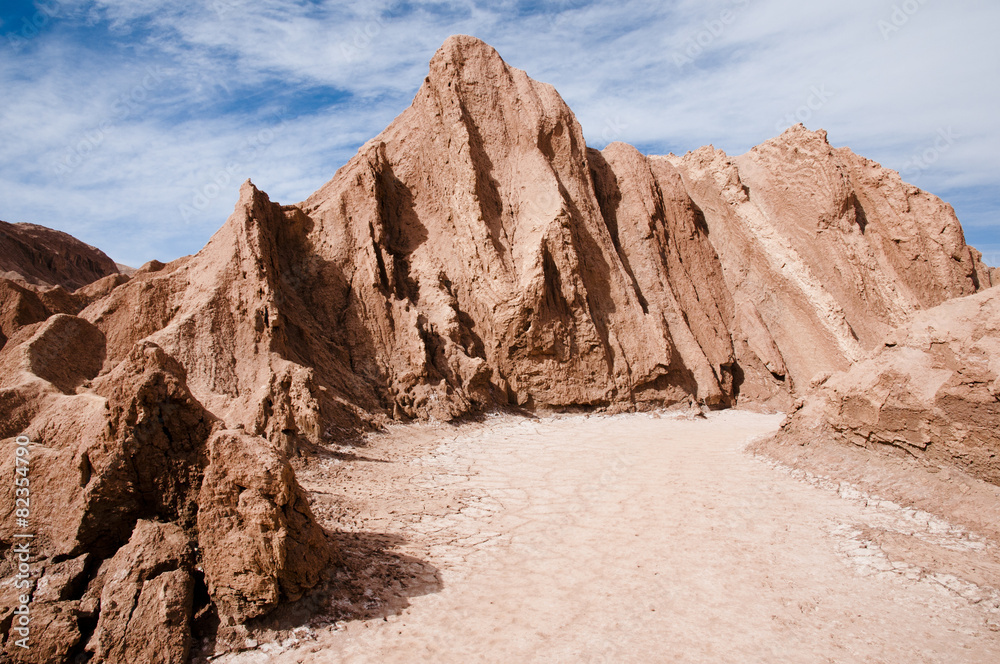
131, 122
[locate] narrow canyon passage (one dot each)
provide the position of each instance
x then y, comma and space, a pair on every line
628, 538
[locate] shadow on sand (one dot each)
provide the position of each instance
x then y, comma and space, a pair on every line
369, 580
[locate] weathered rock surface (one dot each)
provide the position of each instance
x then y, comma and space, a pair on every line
824, 251
258, 540
132, 446
147, 598
931, 392
474, 255
22, 305
44, 257
19, 306
477, 254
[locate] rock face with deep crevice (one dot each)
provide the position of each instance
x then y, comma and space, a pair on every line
474, 255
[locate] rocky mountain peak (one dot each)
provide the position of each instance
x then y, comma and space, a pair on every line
460, 51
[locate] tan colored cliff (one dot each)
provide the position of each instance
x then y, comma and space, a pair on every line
824, 251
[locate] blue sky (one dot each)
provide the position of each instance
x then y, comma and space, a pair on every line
131, 123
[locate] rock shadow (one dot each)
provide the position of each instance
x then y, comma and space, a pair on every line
374, 580
369, 580
402, 233
609, 197
487, 189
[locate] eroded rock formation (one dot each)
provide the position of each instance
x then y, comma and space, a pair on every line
931, 391
474, 255
45, 257
825, 251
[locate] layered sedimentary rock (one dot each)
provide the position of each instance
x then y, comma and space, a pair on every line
147, 597
477, 254
486, 246
823, 250
930, 391
474, 255
22, 304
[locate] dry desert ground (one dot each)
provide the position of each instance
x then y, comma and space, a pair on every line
625, 538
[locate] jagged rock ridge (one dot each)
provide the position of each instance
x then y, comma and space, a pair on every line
474, 255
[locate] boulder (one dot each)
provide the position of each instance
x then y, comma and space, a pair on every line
146, 598
258, 539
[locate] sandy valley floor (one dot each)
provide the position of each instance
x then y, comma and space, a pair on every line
628, 538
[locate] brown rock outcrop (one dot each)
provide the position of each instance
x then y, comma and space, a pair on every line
44, 257
256, 533
134, 445
246, 325
931, 391
19, 307
523, 262
24, 305
146, 598
474, 255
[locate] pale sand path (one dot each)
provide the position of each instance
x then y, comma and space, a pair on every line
628, 538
